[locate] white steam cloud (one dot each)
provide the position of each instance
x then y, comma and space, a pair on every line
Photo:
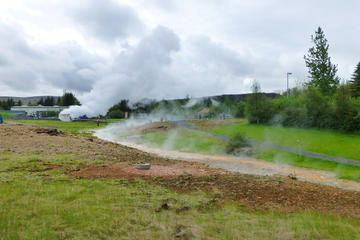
137, 72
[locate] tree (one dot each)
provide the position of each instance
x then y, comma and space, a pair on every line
346, 113
119, 109
240, 109
319, 109
355, 82
7, 104
41, 101
259, 108
19, 103
116, 114
68, 99
322, 71
49, 101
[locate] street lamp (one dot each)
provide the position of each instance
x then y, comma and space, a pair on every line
287, 83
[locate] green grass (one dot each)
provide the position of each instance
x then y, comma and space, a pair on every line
6, 115
193, 141
326, 142
186, 140
320, 141
343, 171
39, 204
83, 128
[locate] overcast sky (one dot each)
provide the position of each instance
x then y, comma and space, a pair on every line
167, 48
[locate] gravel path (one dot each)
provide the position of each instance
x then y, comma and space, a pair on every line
266, 144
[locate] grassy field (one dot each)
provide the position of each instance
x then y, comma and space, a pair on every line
320, 141
6, 115
327, 142
193, 141
40, 204
186, 141
37, 203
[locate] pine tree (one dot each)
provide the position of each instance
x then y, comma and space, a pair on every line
69, 99
41, 101
322, 71
355, 82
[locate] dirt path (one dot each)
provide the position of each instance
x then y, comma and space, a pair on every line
244, 165
185, 124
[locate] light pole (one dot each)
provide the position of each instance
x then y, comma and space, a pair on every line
287, 83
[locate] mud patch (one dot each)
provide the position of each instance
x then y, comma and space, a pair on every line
121, 171
49, 131
54, 167
156, 127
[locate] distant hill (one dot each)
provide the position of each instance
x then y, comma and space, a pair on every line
236, 97
26, 100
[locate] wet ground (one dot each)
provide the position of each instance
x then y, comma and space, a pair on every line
244, 164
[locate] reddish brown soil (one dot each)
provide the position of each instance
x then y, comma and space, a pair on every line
55, 167
155, 127
121, 171
283, 194
277, 193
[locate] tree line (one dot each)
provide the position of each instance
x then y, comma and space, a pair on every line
67, 99
323, 102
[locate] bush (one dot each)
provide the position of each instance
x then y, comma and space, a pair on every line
240, 109
116, 114
236, 143
290, 111
50, 114
320, 111
346, 110
259, 109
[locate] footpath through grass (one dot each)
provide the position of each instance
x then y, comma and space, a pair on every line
37, 203
187, 140
326, 142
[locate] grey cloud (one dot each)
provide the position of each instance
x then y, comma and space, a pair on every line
206, 67
107, 19
23, 66
211, 54
16, 56
71, 67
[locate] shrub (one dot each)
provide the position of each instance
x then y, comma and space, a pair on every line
116, 114
236, 143
320, 111
290, 111
259, 108
240, 109
50, 114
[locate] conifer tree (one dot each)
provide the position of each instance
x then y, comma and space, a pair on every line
322, 71
355, 82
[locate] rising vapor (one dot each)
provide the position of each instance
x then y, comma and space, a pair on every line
137, 72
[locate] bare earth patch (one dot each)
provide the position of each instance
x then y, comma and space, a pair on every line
259, 192
120, 171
